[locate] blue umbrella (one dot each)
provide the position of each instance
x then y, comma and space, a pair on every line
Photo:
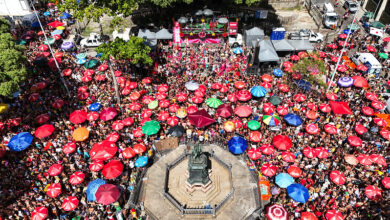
346, 31
56, 32
20, 141
305, 85
95, 106
258, 91
278, 72
46, 13
237, 50
67, 45
283, 180
293, 119
65, 15
298, 192
99, 55
237, 145
81, 61
93, 187
35, 24
141, 162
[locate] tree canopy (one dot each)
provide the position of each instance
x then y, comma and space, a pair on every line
12, 62
135, 50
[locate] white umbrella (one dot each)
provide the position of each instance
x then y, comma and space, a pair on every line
208, 12
276, 212
182, 20
192, 86
199, 13
223, 20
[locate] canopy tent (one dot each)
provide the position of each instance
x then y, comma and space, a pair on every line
149, 36
301, 44
164, 34
282, 45
252, 35
267, 52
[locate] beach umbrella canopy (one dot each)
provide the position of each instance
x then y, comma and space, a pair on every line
383, 55
378, 159
70, 203
200, 118
55, 24
253, 125
128, 153
284, 87
294, 171
55, 169
308, 216
298, 192
325, 108
112, 169
108, 114
288, 156
78, 116
225, 110
283, 180
355, 141
364, 159
258, 91
69, 148
44, 131
213, 102
386, 182
277, 72
300, 97
351, 159
380, 122
254, 153
92, 116
331, 129
267, 149
282, 110
385, 134
337, 177
243, 95
345, 81
141, 161
360, 81
367, 111
268, 170
192, 86
239, 85
54, 190
275, 100
255, 136
107, 194
334, 215
293, 119
282, 142
151, 127
90, 64
311, 114
360, 129
371, 96
77, 178
378, 105
361, 67
271, 120
103, 150
309, 152
20, 141
229, 126
373, 192
237, 145
172, 120
95, 106
93, 186
177, 131
312, 128
139, 148
39, 213
268, 108
276, 212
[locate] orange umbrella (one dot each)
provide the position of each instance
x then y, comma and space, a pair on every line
80, 134
229, 126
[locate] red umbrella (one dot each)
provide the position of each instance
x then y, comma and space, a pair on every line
173, 107
96, 165
332, 46
163, 115
103, 67
360, 129
334, 215
199, 93
88, 72
287, 64
238, 123
325, 108
55, 24
163, 88
331, 96
296, 76
225, 110
331, 129
239, 85
108, 114
243, 111
266, 85
100, 77
378, 105
70, 203
118, 73
276, 212
343, 36
191, 109
172, 120
181, 97
203, 88
267, 149
67, 72
133, 85
113, 136
312, 128
57, 103
380, 122
147, 80
268, 170
112, 169
360, 81
254, 153
107, 194
78, 116
364, 159
294, 171
337, 177
308, 216
82, 95
373, 192
255, 136
385, 134
86, 78
57, 37
268, 108
200, 118
128, 153
147, 99
43, 47
343, 43
322, 152
284, 87
282, 142
118, 125
134, 106
39, 213
312, 106
34, 97
232, 97
77, 178
294, 58
128, 121
55, 169
139, 148
341, 68
138, 132
288, 156
135, 95
282, 110
322, 54
266, 78
378, 159
371, 48
311, 114
54, 190
42, 118
92, 116
361, 67
300, 97
367, 111
44, 131
371, 96
197, 99
303, 54
309, 152
69, 148
386, 182
146, 113
355, 141
386, 39
243, 95
103, 150
216, 86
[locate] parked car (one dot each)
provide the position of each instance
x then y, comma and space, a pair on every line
236, 41
351, 6
306, 34
94, 40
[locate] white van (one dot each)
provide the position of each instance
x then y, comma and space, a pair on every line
367, 59
29, 19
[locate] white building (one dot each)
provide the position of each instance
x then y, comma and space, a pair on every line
14, 8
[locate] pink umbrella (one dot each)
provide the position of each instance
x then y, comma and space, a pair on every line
386, 182
312, 106
55, 169
107, 194
54, 190
133, 85
267, 149
232, 97
243, 95
325, 108
294, 57
367, 111
283, 87
355, 141
103, 67
118, 125
351, 159
268, 170
69, 148
199, 93
282, 110
100, 77
309, 152
237, 123
108, 114
243, 111
268, 108
312, 129
337, 177
77, 178
385, 134
216, 86
332, 46
288, 156
70, 203
92, 116
118, 73
164, 103
287, 64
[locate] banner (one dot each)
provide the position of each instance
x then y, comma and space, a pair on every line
176, 34
376, 32
233, 28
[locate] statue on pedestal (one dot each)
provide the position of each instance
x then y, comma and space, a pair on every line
197, 167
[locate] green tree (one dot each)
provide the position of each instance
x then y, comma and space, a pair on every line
12, 63
4, 25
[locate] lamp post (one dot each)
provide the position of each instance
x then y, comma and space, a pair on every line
51, 49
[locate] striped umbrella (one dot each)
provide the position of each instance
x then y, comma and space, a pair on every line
213, 102
271, 120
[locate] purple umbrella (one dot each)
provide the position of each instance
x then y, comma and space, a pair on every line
275, 190
345, 82
67, 45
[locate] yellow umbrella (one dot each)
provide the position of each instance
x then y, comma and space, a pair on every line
3, 107
80, 134
229, 126
60, 28
181, 113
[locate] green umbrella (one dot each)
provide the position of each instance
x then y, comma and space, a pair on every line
153, 104
369, 14
383, 55
275, 100
50, 41
353, 27
253, 125
81, 56
213, 102
377, 24
90, 64
151, 127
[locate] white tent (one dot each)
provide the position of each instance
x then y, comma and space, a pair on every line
282, 45
146, 33
267, 52
301, 44
252, 35
164, 34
